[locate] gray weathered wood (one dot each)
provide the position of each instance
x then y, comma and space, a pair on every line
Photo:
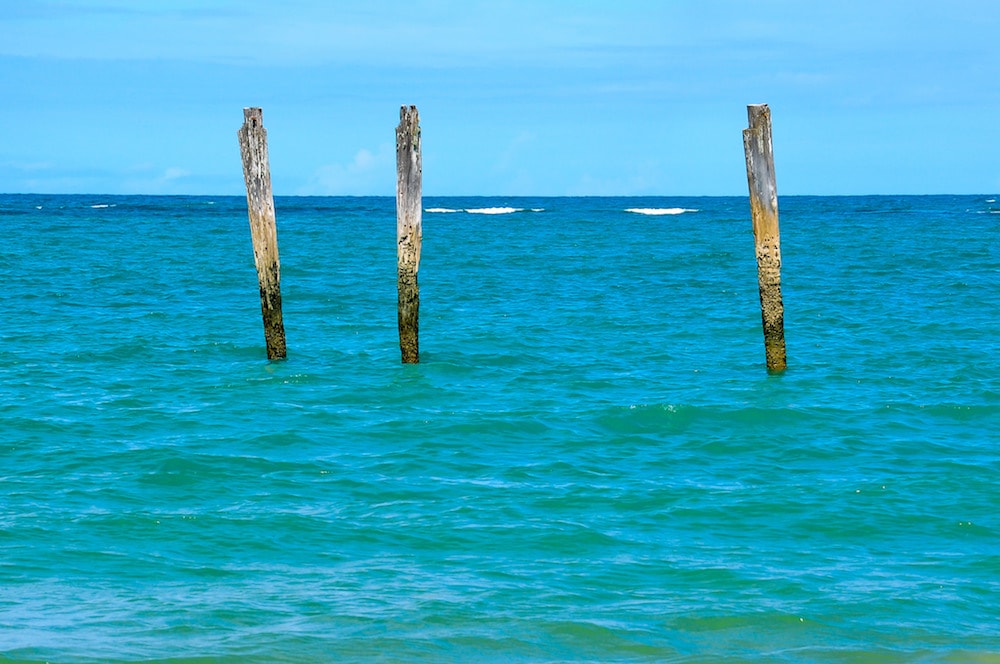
408, 230
764, 211
263, 228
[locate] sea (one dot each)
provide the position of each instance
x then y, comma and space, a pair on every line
590, 462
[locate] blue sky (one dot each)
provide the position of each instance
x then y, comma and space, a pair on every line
532, 97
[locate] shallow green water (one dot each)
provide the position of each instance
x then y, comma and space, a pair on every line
589, 464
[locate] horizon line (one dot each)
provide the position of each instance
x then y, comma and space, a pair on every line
243, 195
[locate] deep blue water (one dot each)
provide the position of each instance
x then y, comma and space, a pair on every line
590, 463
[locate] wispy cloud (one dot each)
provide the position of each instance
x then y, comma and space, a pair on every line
45, 177
642, 181
368, 173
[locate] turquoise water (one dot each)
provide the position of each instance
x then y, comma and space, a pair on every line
589, 464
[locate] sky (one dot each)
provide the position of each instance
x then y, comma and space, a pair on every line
516, 97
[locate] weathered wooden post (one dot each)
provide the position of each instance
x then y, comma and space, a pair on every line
764, 211
263, 228
408, 230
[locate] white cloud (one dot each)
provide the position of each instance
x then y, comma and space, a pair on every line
514, 152
148, 179
368, 173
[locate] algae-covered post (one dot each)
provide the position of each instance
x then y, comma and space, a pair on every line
764, 211
408, 230
263, 228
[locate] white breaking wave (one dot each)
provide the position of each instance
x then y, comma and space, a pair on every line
487, 210
102, 206
660, 211
494, 210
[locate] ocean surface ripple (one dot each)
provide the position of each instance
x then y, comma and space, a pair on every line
590, 463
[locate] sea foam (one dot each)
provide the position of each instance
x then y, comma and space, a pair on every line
494, 210
656, 212
484, 210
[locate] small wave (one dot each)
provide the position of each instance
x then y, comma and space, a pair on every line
486, 210
660, 211
494, 210
101, 206
991, 200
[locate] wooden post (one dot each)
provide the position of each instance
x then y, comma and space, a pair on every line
764, 211
408, 230
263, 228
